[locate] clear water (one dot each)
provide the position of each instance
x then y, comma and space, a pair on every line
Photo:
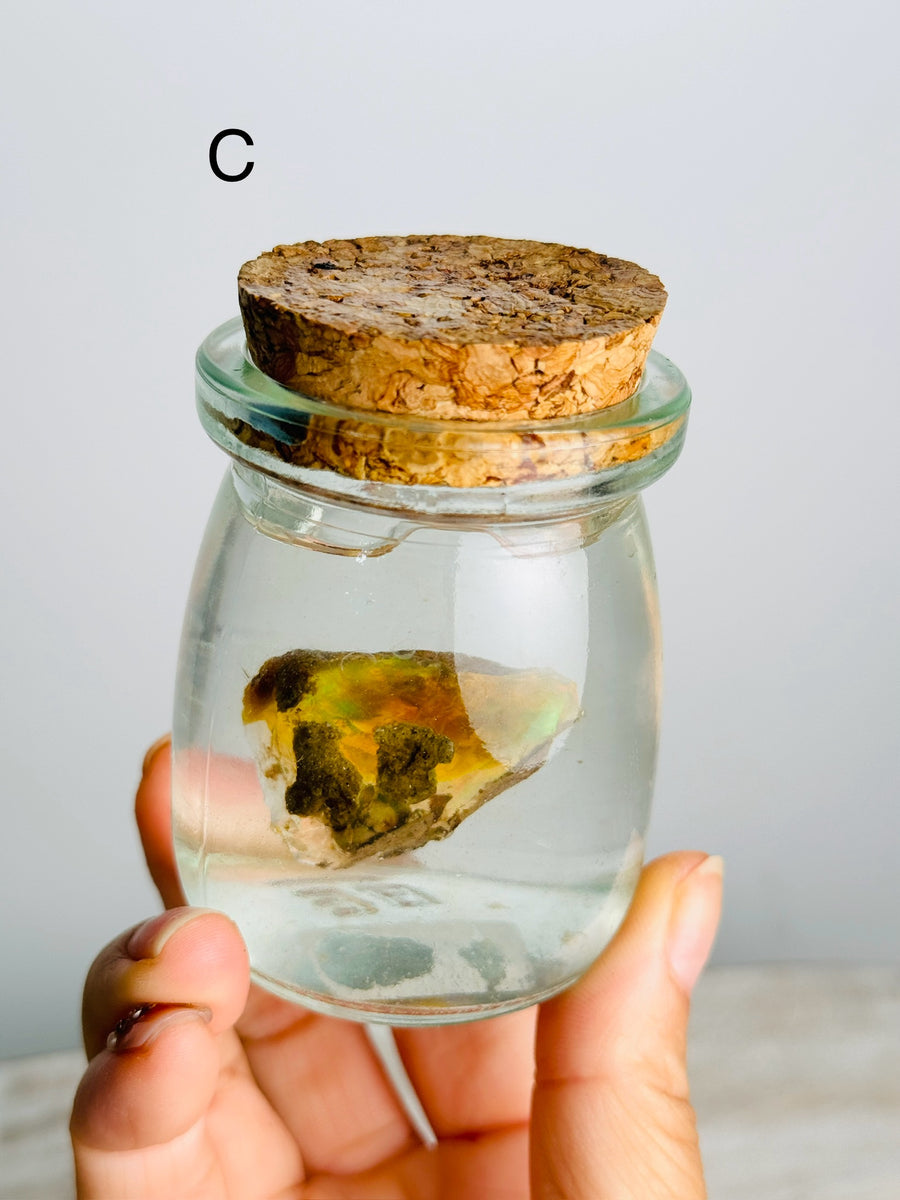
526, 892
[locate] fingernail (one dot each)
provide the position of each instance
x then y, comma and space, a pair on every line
151, 754
144, 1024
148, 939
694, 921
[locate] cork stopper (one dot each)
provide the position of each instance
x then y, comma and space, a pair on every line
449, 327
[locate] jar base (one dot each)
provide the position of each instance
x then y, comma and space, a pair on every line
410, 1014
406, 946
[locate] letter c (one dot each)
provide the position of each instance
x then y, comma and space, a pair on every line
214, 150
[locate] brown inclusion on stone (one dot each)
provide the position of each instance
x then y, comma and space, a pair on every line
380, 753
326, 782
407, 756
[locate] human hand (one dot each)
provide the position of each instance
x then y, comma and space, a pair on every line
220, 1090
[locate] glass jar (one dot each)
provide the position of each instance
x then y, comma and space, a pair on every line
416, 722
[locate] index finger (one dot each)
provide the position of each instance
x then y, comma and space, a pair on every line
153, 812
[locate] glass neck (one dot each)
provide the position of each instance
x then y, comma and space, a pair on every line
358, 527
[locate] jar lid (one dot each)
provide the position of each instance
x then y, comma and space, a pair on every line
450, 326
379, 457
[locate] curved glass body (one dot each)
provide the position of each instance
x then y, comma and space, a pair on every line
414, 742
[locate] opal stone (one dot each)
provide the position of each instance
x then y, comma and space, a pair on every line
363, 754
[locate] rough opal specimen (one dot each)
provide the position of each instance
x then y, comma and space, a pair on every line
363, 754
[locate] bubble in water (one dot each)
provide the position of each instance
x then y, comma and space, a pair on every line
357, 656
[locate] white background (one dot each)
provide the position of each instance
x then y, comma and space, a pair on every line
744, 151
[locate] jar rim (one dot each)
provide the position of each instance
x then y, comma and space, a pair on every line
383, 457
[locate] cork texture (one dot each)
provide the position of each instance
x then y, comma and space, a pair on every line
362, 449
451, 327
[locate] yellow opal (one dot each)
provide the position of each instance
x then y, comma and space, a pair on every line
364, 754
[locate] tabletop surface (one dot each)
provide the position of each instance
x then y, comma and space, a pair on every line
796, 1081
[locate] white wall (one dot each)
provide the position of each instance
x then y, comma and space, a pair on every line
746, 151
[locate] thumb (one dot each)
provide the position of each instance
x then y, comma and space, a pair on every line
159, 1004
612, 1118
